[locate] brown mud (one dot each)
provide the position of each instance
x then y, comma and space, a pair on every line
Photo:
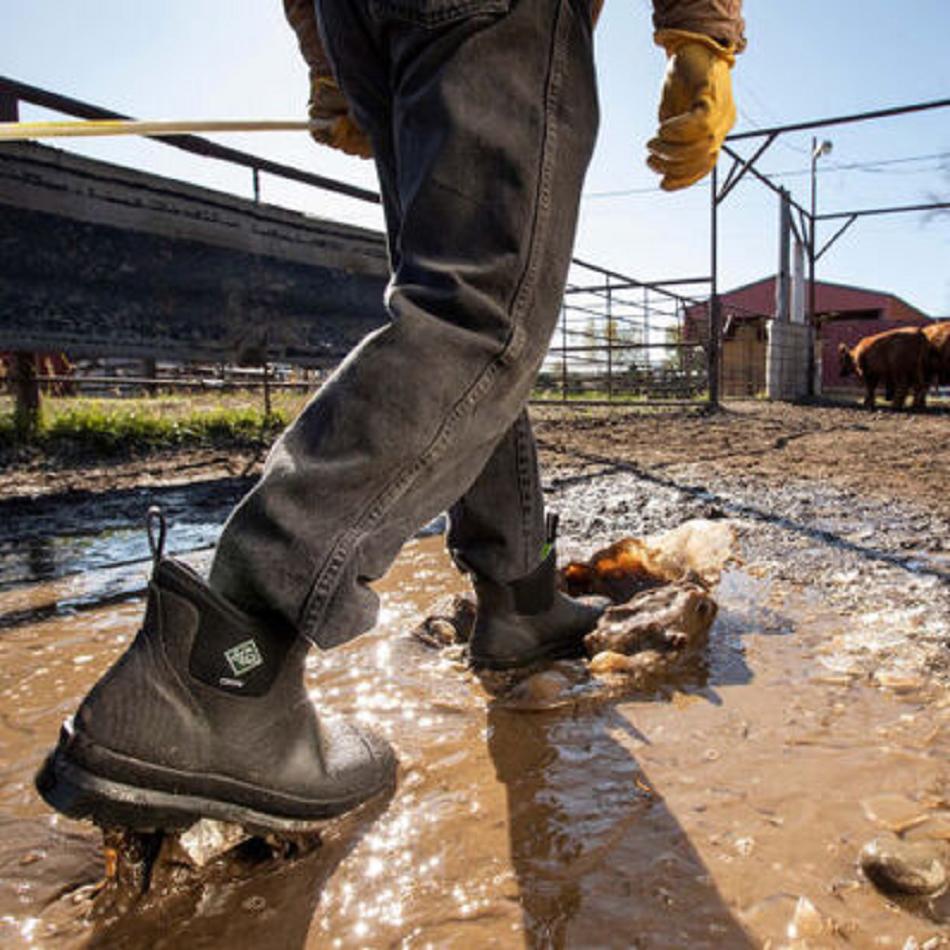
727, 810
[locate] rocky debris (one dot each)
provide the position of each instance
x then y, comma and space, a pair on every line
207, 839
646, 636
151, 866
561, 684
894, 866
807, 921
881, 564
450, 624
658, 636
676, 617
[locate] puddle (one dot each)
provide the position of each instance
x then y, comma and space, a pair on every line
730, 814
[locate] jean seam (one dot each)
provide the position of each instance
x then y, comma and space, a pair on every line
320, 594
525, 495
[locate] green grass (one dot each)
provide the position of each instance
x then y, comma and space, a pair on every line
120, 426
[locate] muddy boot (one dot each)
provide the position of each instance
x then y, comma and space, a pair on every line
206, 715
526, 620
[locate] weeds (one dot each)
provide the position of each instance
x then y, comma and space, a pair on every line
121, 426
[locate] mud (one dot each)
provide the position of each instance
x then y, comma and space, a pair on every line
726, 809
724, 813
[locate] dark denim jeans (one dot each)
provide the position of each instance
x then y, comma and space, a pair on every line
483, 115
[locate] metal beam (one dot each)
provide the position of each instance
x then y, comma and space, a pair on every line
841, 120
834, 237
650, 285
867, 212
763, 178
744, 166
188, 143
631, 284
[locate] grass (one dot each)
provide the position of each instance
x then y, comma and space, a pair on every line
77, 425
122, 426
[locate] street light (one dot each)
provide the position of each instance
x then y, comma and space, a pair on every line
817, 150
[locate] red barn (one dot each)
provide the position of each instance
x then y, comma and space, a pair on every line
844, 313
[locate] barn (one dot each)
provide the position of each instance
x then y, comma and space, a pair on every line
844, 314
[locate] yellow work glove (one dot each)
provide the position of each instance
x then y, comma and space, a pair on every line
330, 120
696, 108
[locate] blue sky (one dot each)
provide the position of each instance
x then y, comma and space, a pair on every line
808, 59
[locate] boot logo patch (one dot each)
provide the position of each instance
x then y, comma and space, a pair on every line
244, 657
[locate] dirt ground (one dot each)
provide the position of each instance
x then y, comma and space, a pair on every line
884, 454
854, 506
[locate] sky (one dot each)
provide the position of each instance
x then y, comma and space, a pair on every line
201, 59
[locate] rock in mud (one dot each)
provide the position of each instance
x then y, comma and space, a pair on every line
206, 840
901, 867
637, 665
675, 618
450, 624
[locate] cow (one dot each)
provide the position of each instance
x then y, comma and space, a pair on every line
897, 358
938, 367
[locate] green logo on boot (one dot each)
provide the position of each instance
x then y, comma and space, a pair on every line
244, 657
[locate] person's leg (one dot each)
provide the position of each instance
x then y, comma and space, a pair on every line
496, 529
206, 713
493, 122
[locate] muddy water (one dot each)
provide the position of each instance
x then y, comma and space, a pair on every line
701, 818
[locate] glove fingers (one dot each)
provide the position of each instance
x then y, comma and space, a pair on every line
663, 166
680, 177
350, 138
676, 154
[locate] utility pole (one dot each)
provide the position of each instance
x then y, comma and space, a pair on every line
715, 312
816, 152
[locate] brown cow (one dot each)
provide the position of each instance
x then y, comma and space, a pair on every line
938, 334
897, 358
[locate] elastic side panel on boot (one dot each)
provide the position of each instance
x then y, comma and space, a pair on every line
534, 593
230, 651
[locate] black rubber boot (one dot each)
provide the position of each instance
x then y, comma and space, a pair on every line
527, 620
206, 715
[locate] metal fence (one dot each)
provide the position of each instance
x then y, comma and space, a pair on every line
622, 340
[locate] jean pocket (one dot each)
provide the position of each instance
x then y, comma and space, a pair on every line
434, 13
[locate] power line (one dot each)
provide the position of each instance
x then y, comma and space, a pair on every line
873, 165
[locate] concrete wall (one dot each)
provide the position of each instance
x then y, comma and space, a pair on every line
100, 260
786, 360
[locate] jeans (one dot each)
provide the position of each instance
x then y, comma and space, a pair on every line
482, 115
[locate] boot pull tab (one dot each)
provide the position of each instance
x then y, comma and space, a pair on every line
156, 527
550, 533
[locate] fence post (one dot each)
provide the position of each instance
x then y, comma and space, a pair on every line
610, 342
26, 393
150, 372
563, 352
267, 400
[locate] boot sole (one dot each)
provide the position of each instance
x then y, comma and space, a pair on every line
566, 651
79, 793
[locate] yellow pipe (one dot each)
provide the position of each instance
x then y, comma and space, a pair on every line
21, 131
